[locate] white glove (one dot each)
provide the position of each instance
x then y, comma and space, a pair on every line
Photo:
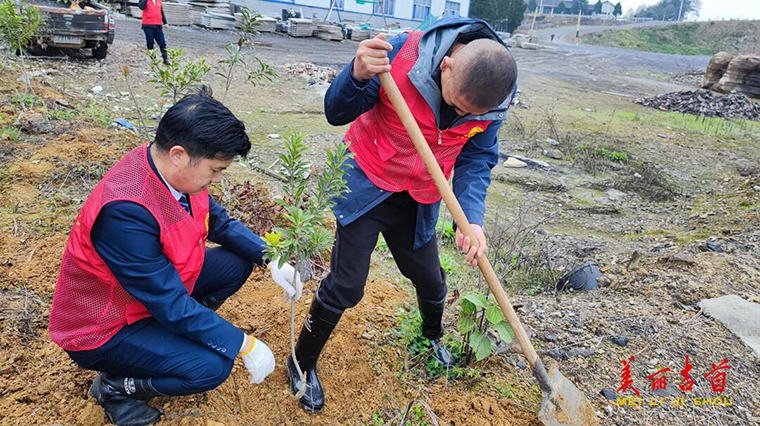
284, 278
259, 360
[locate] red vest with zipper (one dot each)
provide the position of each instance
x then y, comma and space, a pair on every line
385, 151
90, 305
152, 13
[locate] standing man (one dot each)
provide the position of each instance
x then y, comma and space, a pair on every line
153, 20
138, 289
458, 79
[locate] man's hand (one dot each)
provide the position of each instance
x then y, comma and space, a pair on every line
258, 359
371, 58
284, 278
466, 246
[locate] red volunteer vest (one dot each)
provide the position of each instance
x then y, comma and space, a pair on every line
152, 13
90, 305
385, 151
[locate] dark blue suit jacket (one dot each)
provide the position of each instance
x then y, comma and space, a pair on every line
346, 99
127, 238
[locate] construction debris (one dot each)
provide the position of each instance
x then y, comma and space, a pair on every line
358, 33
329, 32
218, 21
313, 73
177, 14
705, 103
301, 27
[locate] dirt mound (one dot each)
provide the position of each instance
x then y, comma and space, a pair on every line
42, 385
704, 103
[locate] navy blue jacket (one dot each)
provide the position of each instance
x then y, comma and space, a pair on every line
346, 99
127, 238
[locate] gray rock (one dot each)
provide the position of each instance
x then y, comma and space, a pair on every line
669, 390
552, 142
756, 188
554, 153
610, 394
584, 352
619, 340
738, 315
558, 354
614, 195
514, 163
521, 365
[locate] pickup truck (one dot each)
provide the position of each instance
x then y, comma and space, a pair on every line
88, 26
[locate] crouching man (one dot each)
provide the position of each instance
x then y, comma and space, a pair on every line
138, 289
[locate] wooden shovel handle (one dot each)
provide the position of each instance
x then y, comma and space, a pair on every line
402, 109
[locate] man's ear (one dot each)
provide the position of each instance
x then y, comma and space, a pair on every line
447, 63
178, 156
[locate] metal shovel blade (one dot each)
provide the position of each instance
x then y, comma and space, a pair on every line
566, 405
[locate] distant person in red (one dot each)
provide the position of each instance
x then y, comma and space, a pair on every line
153, 20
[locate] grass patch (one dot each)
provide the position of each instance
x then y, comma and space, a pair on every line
25, 100
9, 132
98, 114
62, 115
709, 126
421, 362
698, 38
672, 39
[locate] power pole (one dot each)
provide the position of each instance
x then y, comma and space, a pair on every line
578, 28
680, 9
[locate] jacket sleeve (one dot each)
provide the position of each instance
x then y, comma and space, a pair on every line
472, 172
347, 98
126, 237
141, 4
163, 16
233, 235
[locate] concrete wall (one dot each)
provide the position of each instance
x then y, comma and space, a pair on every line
352, 11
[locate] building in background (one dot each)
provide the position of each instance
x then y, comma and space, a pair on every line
407, 13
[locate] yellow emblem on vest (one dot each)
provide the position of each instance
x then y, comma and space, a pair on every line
474, 131
207, 216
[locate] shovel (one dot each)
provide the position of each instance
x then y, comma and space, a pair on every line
562, 402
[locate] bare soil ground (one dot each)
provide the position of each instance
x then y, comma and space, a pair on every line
683, 181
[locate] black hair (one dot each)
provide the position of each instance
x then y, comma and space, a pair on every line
204, 127
489, 78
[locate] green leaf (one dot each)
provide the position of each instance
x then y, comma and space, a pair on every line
477, 299
481, 344
494, 314
505, 331
466, 324
467, 307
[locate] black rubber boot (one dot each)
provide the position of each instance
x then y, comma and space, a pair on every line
165, 56
210, 302
432, 314
125, 399
317, 328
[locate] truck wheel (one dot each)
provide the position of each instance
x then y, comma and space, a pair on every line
100, 51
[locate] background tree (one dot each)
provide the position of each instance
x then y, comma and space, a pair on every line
598, 7
19, 26
503, 15
532, 6
579, 6
618, 9
561, 9
667, 10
